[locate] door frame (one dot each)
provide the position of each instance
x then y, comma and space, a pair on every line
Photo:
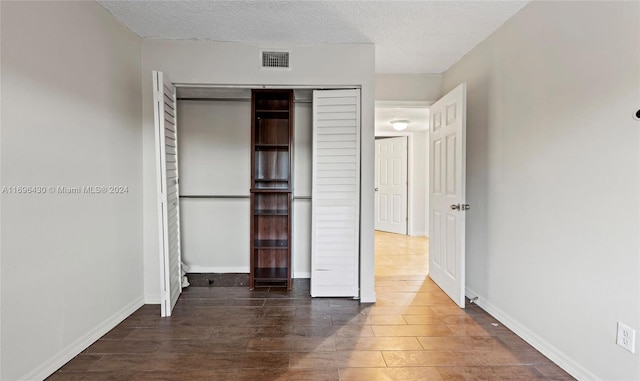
410, 159
178, 85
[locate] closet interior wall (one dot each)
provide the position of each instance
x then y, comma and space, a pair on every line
214, 137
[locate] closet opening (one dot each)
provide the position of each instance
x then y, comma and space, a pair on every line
234, 179
230, 216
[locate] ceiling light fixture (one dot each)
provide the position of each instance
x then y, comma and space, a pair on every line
399, 125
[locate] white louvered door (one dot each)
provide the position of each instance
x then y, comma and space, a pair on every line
164, 96
447, 208
335, 219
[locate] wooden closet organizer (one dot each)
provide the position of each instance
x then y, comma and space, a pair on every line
271, 187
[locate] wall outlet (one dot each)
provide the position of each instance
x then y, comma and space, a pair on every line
626, 338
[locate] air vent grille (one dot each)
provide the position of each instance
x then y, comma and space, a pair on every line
275, 60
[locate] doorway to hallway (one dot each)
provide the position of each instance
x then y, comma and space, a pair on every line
401, 256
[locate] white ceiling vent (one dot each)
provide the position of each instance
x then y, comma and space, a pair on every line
271, 59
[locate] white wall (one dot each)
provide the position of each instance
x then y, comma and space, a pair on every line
553, 172
71, 116
408, 87
214, 139
302, 157
420, 177
214, 147
214, 143
235, 63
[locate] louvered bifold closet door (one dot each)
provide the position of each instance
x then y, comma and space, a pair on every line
335, 193
165, 116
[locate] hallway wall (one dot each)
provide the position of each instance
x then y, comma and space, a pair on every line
408, 87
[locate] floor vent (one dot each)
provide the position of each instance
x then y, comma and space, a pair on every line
275, 60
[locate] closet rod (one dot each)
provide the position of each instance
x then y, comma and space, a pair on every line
213, 196
215, 99
286, 87
234, 196
235, 100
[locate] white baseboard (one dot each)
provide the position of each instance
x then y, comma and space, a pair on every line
218, 270
301, 275
417, 233
49, 366
152, 299
554, 354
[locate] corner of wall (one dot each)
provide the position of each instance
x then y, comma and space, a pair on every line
61, 357
152, 299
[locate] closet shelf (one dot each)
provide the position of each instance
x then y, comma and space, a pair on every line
271, 187
271, 111
270, 212
271, 244
271, 190
270, 274
266, 146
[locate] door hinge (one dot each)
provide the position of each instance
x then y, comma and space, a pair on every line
157, 96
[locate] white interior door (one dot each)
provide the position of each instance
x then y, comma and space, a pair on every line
335, 215
164, 96
447, 159
391, 185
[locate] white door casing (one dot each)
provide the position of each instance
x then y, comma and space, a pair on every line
335, 215
391, 184
447, 167
165, 116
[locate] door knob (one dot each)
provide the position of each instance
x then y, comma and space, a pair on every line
375, 189
460, 207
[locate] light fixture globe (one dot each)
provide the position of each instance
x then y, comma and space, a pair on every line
400, 124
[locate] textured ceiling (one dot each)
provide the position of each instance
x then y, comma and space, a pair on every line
410, 36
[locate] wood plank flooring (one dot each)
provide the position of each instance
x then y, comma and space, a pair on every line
413, 332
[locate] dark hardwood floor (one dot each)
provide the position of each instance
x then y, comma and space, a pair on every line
413, 332
232, 333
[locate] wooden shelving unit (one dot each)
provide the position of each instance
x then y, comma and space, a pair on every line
271, 187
